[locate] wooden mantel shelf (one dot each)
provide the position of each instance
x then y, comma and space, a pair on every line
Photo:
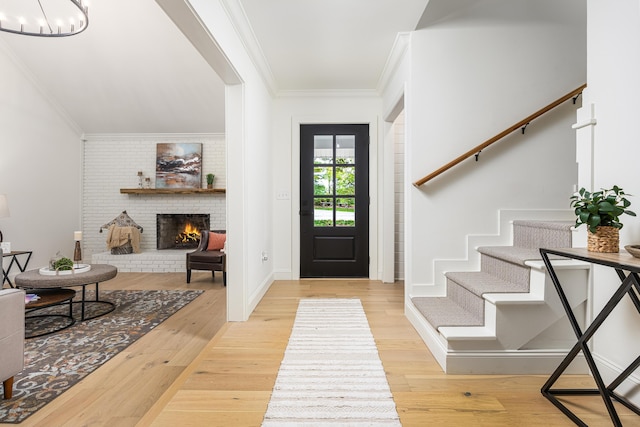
173, 190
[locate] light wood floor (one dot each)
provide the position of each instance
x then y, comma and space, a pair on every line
230, 383
121, 391
180, 374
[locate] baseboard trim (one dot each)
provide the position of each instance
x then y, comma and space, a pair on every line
283, 275
508, 362
256, 296
609, 370
429, 335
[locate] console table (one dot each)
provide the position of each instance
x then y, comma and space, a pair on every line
627, 268
14, 260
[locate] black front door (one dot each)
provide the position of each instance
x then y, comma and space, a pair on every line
334, 200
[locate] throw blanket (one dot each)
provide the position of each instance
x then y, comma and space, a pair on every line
119, 236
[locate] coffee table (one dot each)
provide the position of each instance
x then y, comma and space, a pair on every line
50, 298
33, 280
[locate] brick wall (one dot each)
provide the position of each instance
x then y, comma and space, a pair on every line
112, 162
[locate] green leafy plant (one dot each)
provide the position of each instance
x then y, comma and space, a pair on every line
63, 264
210, 178
601, 208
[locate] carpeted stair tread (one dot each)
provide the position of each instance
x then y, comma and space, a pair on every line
503, 269
442, 311
480, 283
512, 254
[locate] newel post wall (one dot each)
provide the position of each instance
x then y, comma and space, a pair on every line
613, 90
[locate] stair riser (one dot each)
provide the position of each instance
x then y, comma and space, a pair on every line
516, 274
527, 235
465, 299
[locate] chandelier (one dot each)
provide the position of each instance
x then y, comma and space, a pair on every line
44, 18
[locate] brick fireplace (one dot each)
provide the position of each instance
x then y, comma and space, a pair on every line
111, 163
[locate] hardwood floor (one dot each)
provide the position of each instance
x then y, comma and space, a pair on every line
229, 384
184, 374
121, 391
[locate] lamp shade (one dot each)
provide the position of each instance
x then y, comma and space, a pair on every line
4, 206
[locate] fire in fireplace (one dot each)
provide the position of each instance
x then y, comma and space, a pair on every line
180, 231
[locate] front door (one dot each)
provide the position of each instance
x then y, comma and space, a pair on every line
334, 200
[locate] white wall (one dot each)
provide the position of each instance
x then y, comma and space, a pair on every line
614, 89
471, 77
291, 110
40, 167
111, 162
250, 156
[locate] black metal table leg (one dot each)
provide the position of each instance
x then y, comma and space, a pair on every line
96, 300
629, 285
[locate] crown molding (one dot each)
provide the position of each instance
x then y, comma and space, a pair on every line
148, 136
237, 15
398, 51
329, 93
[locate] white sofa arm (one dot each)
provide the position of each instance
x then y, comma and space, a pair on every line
11, 336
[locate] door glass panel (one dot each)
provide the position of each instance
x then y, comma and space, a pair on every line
322, 212
346, 149
346, 212
322, 181
323, 149
346, 180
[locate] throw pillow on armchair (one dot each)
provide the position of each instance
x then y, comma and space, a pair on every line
216, 241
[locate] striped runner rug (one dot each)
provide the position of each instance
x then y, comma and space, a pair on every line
331, 374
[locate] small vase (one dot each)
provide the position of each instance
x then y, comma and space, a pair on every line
209, 186
606, 239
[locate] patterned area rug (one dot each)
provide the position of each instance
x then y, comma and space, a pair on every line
54, 363
331, 374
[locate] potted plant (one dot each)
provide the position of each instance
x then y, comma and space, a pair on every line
600, 212
210, 178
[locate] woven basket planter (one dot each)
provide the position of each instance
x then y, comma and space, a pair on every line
122, 250
605, 239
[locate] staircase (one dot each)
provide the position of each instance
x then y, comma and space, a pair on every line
506, 318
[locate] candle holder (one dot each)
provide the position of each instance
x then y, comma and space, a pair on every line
77, 253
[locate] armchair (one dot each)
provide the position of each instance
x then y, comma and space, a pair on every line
11, 337
205, 258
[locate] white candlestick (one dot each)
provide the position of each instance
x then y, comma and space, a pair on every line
77, 236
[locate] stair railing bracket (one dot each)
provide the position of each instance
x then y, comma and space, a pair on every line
575, 98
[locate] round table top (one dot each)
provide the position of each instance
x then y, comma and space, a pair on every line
32, 279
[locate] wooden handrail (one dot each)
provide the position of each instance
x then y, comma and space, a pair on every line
501, 135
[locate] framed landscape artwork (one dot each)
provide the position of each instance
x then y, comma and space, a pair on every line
179, 165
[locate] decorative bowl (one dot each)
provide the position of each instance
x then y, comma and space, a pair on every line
77, 268
633, 250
